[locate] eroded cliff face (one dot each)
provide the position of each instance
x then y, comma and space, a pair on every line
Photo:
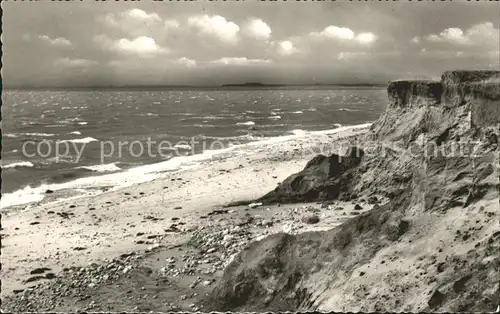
432, 247
462, 100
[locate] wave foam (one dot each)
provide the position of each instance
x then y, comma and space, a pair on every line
82, 140
246, 123
18, 164
146, 173
102, 168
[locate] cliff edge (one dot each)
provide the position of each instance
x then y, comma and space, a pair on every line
432, 246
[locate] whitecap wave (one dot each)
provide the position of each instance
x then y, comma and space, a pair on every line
18, 164
22, 196
146, 173
298, 112
246, 123
182, 146
38, 134
274, 117
82, 140
82, 123
102, 168
76, 133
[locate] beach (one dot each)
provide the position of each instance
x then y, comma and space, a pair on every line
93, 229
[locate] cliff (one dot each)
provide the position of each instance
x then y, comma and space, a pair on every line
462, 100
433, 246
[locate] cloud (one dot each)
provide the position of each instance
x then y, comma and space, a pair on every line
215, 25
135, 22
478, 34
241, 61
258, 29
351, 55
344, 34
365, 38
142, 45
286, 47
189, 63
131, 16
172, 24
58, 42
67, 62
335, 32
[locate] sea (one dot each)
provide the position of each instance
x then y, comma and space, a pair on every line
84, 140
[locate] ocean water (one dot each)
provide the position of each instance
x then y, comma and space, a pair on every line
80, 140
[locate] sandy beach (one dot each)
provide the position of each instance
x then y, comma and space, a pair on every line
94, 229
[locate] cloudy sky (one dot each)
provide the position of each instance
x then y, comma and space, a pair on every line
211, 43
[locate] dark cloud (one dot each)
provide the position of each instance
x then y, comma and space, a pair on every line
210, 43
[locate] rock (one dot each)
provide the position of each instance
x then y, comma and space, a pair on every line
436, 299
314, 219
339, 208
207, 283
49, 191
34, 223
50, 275
440, 267
325, 176
373, 200
177, 207
38, 271
358, 207
34, 278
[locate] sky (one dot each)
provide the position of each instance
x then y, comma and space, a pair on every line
211, 43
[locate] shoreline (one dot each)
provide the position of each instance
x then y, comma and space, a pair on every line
88, 229
155, 170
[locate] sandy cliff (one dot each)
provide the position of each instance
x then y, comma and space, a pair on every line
431, 246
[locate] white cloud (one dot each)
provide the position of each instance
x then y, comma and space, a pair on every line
135, 22
335, 32
351, 55
365, 38
170, 24
131, 16
286, 47
415, 40
479, 34
142, 45
215, 25
241, 61
189, 63
258, 29
67, 62
139, 45
58, 42
142, 15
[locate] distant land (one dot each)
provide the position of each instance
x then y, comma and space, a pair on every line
183, 87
